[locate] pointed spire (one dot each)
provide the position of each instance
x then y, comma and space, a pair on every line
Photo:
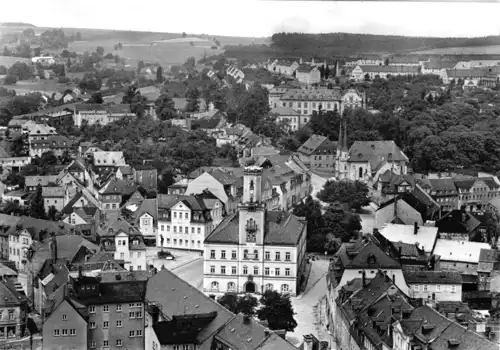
345, 137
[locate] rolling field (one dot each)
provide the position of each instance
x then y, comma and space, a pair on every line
9, 61
471, 50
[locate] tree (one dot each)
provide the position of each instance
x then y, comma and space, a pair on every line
340, 223
159, 75
386, 61
277, 310
166, 180
21, 70
10, 80
140, 66
28, 33
245, 304
100, 50
36, 208
52, 213
96, 97
3, 70
367, 77
354, 193
164, 106
184, 34
78, 36
193, 100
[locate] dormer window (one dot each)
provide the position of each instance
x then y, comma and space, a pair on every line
106, 243
135, 242
371, 259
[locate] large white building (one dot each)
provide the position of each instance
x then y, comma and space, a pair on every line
254, 250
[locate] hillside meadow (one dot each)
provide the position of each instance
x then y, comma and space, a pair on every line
471, 50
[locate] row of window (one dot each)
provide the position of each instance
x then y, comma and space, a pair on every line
65, 332
186, 242
313, 104
267, 270
111, 206
16, 239
180, 230
174, 347
254, 256
105, 308
119, 323
119, 342
425, 288
130, 255
231, 287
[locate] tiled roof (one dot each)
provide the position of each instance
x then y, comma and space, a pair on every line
458, 221
284, 111
112, 108
304, 68
488, 255
211, 123
117, 292
467, 252
49, 192
280, 229
391, 69
312, 144
364, 151
356, 254
105, 158
468, 183
43, 180
433, 277
438, 64
116, 186
9, 225
147, 206
317, 94
426, 235
10, 297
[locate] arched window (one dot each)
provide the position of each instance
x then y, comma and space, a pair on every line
256, 254
245, 254
284, 288
245, 270
269, 286
231, 287
215, 286
360, 172
256, 270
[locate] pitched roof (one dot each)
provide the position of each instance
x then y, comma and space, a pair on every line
462, 251
314, 142
284, 111
488, 255
57, 141
10, 296
366, 253
280, 229
56, 191
106, 158
426, 235
117, 292
432, 277
42, 180
390, 69
205, 123
365, 151
312, 94
468, 183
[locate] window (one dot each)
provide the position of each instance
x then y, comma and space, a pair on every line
92, 325
245, 270
105, 308
231, 287
199, 230
92, 344
168, 228
233, 254
118, 307
118, 342
277, 271
223, 254
416, 288
223, 270
64, 332
175, 229
186, 230
122, 256
284, 288
185, 347
131, 314
256, 270
131, 334
92, 309
64, 317
175, 216
233, 270
453, 288
277, 256
256, 255
287, 272
105, 343
105, 324
288, 256
266, 271
212, 268
72, 332
138, 314
245, 254
438, 288
138, 333
212, 254
215, 286
119, 323
186, 216
56, 332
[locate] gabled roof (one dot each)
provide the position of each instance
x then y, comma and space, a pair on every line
468, 183
284, 111
281, 229
426, 235
10, 297
50, 192
432, 277
315, 143
365, 151
467, 252
356, 254
390, 69
106, 158
148, 206
43, 180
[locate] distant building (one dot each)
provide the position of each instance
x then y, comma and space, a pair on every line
382, 71
100, 113
289, 118
318, 153
13, 312
308, 75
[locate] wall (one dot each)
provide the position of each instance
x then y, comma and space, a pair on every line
324, 162
72, 320
445, 292
462, 267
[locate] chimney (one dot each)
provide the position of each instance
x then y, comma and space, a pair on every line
308, 342
80, 271
415, 228
394, 278
53, 247
363, 278
266, 332
400, 249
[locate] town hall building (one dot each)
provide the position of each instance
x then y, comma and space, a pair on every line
254, 249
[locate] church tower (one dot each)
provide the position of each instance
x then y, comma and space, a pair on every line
342, 155
251, 210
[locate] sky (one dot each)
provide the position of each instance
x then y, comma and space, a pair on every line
257, 18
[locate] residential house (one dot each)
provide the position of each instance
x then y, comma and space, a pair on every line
318, 153
437, 67
424, 236
179, 187
476, 192
442, 190
407, 208
125, 172
14, 164
58, 145
13, 312
285, 67
84, 219
288, 118
66, 327
36, 131
147, 178
180, 104
146, 218
56, 196
114, 315
185, 318
100, 113
185, 221
487, 260
211, 126
111, 195
236, 73
275, 94
231, 265
308, 75
460, 225
367, 158
434, 285
310, 99
360, 72
461, 256
31, 182
352, 99
124, 241
106, 160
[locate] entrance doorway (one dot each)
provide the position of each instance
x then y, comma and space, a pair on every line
250, 287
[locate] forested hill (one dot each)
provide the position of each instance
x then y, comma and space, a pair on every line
346, 44
16, 24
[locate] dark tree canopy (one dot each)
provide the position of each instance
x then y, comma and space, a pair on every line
245, 304
277, 309
354, 193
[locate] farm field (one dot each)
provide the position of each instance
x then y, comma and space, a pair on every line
471, 50
25, 86
9, 61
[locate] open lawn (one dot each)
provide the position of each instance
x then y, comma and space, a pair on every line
26, 86
471, 50
8, 61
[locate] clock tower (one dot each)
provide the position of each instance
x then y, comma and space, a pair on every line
251, 210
